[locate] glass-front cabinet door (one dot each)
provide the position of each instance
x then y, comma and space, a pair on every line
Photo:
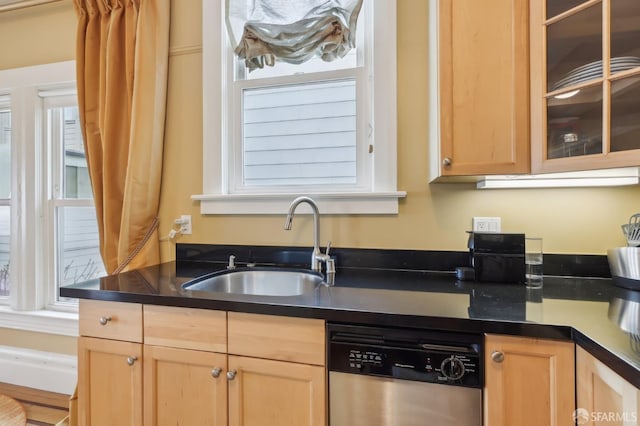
585, 84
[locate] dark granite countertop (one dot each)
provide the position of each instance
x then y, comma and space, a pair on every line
582, 309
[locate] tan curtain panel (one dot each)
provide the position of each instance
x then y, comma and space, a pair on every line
293, 31
122, 59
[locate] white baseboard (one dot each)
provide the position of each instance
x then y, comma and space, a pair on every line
47, 371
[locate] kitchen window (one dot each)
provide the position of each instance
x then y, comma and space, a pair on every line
48, 227
5, 193
325, 129
70, 216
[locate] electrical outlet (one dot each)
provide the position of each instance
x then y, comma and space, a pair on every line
185, 224
486, 224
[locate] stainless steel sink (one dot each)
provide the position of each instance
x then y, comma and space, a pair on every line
258, 282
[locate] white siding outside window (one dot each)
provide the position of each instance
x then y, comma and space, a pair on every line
324, 129
300, 134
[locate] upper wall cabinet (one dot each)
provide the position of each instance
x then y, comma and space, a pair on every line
479, 75
585, 84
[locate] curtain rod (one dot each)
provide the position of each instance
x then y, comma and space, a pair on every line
24, 4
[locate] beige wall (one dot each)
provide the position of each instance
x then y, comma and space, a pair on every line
38, 341
37, 35
431, 217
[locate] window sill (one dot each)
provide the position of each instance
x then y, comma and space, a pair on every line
328, 203
50, 322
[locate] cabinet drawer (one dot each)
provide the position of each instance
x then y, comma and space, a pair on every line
186, 328
111, 320
279, 338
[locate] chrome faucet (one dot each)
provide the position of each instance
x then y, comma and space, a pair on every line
317, 257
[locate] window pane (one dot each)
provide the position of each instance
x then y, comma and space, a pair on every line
301, 134
555, 7
575, 123
574, 59
625, 29
4, 251
78, 247
5, 194
76, 176
625, 111
5, 153
353, 58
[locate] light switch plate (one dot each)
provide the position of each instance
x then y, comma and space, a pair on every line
486, 224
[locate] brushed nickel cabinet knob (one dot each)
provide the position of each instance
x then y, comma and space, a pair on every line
446, 161
231, 374
132, 360
497, 356
104, 320
216, 372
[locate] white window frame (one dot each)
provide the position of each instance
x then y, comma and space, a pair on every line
381, 194
53, 180
5, 202
29, 306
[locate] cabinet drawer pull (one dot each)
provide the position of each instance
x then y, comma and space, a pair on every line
216, 372
231, 374
497, 356
131, 360
446, 161
104, 320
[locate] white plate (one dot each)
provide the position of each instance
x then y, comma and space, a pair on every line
593, 70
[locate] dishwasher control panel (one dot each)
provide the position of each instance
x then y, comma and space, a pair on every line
436, 357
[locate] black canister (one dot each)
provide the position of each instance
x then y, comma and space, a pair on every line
497, 257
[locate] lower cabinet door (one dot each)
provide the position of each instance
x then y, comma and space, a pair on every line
604, 397
109, 382
184, 387
275, 393
529, 382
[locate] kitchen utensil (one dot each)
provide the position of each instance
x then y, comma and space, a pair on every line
633, 230
625, 229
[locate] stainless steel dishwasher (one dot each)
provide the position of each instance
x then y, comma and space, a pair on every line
403, 377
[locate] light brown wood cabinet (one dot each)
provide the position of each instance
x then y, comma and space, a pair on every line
184, 387
279, 365
603, 397
585, 84
534, 86
185, 364
109, 382
110, 363
482, 88
271, 393
528, 382
196, 366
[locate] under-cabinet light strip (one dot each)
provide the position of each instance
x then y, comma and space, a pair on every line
556, 183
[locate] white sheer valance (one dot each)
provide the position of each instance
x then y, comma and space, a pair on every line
265, 31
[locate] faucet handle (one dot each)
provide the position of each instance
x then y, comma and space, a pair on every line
330, 276
232, 264
328, 248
